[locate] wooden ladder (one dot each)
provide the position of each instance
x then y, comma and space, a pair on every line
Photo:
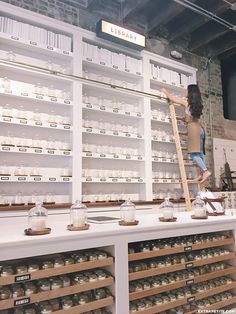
179, 152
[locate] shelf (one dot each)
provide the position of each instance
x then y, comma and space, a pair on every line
110, 110
169, 181
87, 307
32, 123
37, 98
180, 266
182, 283
182, 249
206, 294
221, 304
171, 161
163, 140
52, 294
33, 45
41, 179
44, 273
160, 308
163, 120
111, 133
28, 207
112, 156
172, 86
37, 151
112, 180
109, 68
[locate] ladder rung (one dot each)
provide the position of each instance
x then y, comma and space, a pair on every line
193, 181
184, 148
181, 118
183, 133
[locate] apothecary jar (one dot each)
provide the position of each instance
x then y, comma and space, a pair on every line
78, 214
37, 218
127, 211
167, 209
199, 207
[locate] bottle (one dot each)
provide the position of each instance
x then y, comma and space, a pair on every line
78, 214
167, 209
37, 218
127, 211
198, 207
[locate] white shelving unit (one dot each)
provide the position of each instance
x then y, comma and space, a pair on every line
99, 135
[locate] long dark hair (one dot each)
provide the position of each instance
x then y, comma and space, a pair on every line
195, 101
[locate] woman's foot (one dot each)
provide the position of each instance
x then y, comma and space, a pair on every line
199, 178
206, 174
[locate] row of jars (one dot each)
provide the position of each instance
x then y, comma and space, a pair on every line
102, 149
165, 175
8, 111
37, 143
42, 308
107, 173
24, 267
163, 135
102, 125
110, 103
33, 172
53, 283
20, 199
175, 194
38, 89
162, 280
67, 302
164, 154
157, 245
176, 259
159, 114
112, 197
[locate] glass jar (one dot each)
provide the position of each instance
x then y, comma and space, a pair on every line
198, 207
167, 209
127, 211
78, 214
37, 218
30, 288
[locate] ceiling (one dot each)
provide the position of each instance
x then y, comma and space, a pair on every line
204, 27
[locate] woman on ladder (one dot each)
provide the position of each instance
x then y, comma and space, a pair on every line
196, 135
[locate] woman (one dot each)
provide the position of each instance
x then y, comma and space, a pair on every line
196, 135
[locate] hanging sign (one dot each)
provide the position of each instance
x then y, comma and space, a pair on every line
120, 35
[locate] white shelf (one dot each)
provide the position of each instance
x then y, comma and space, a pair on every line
155, 139
111, 133
112, 156
170, 160
41, 179
38, 98
37, 151
105, 109
170, 181
34, 46
108, 68
172, 86
32, 123
163, 120
112, 180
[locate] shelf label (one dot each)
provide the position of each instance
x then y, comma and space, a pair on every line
103, 179
89, 130
115, 156
140, 180
115, 66
102, 63
127, 134
89, 179
138, 73
37, 179
140, 158
6, 119
165, 180
23, 121
89, 59
65, 52
103, 131
164, 81
6, 148
89, 155
156, 180
115, 133
102, 155
52, 179
67, 153
49, 47
163, 139
127, 70
127, 113
172, 180
89, 106
22, 149
66, 101
102, 108
139, 115
66, 179
172, 160
188, 248
67, 127
38, 123
21, 178
189, 282
22, 301
53, 99
128, 180
53, 125
164, 159
33, 43
191, 299
128, 157
50, 151
154, 78
115, 110
22, 278
114, 180
154, 118
24, 94
14, 37
4, 178
37, 150
189, 265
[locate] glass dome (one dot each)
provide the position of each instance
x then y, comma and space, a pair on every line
38, 217
78, 214
167, 209
198, 207
127, 211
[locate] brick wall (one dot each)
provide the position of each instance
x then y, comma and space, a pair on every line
208, 75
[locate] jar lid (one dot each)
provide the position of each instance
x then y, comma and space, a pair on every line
78, 205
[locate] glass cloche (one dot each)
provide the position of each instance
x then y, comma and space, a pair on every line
167, 209
37, 218
199, 207
127, 211
78, 214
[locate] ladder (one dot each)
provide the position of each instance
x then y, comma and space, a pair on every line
179, 153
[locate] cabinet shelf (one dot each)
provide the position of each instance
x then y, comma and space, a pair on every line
112, 180
36, 179
44, 273
180, 266
112, 133
171, 161
175, 250
109, 110
182, 283
168, 181
155, 139
48, 295
221, 304
34, 46
31, 123
162, 120
163, 83
112, 156
37, 151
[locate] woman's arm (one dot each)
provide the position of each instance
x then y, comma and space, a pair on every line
180, 101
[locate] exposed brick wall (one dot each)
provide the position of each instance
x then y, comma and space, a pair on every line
208, 75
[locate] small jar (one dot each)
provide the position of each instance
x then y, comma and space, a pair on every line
172, 297
5, 293
145, 247
100, 274
101, 255
30, 288
180, 295
158, 301
66, 303
133, 308
146, 285
45, 308
131, 288
168, 261
58, 262
17, 291
144, 266
68, 261
148, 304
47, 265
161, 264
7, 271
93, 257
30, 311
55, 304
141, 306
22, 269
32, 268
100, 294
83, 299
152, 264
65, 281
80, 279
131, 250
156, 283
92, 278
137, 267
81, 258
44, 285
138, 287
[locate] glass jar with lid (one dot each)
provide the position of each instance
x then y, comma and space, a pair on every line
37, 218
198, 207
127, 211
167, 209
78, 215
